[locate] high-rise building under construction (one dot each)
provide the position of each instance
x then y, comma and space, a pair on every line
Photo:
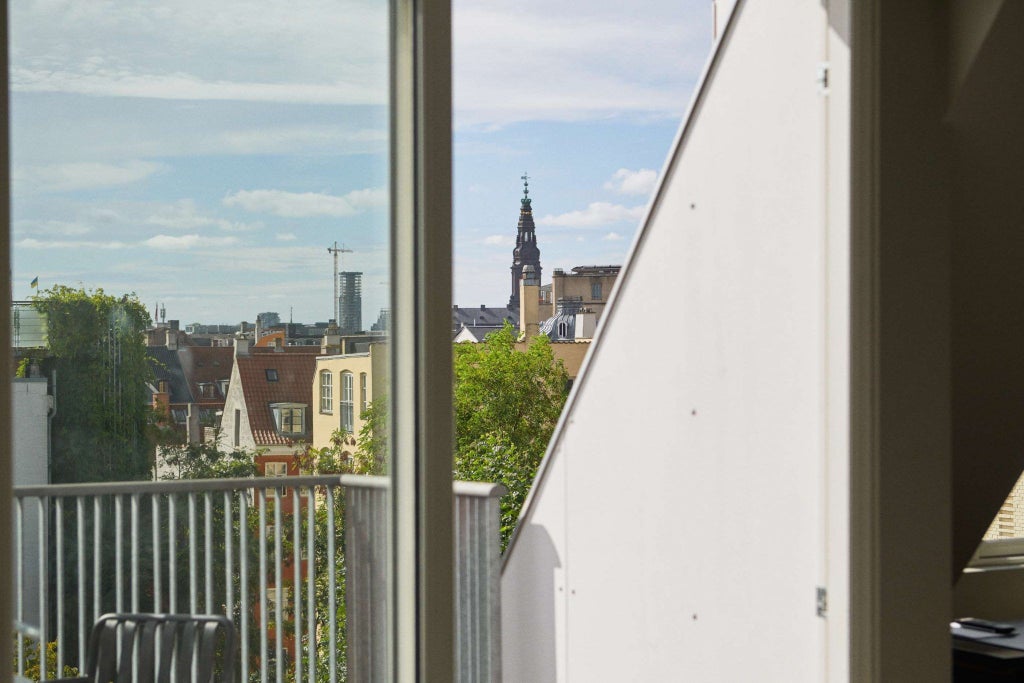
350, 302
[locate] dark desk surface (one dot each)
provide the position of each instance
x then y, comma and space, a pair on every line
979, 656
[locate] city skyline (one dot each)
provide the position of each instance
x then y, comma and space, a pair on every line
206, 158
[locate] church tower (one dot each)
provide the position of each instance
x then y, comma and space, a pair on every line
526, 252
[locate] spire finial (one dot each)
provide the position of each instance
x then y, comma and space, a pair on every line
526, 189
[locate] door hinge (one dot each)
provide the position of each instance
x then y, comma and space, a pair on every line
823, 78
822, 601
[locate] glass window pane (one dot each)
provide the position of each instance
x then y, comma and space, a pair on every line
201, 221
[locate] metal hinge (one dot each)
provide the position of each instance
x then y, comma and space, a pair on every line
822, 601
822, 78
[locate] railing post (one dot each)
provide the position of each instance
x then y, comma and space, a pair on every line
366, 575
477, 582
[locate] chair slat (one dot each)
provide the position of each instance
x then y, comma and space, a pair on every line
153, 644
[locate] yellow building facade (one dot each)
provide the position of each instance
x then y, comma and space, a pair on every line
343, 386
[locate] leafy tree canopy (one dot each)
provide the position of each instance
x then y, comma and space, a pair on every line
507, 403
97, 346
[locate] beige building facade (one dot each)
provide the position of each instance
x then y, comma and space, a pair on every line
343, 386
590, 285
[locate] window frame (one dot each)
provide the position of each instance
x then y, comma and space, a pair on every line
346, 402
326, 397
420, 383
362, 393
279, 411
277, 471
421, 620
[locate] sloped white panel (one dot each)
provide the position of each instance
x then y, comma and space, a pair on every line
678, 530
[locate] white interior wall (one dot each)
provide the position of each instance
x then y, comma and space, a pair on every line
694, 546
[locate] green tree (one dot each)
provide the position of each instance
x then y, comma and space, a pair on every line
507, 403
97, 354
204, 461
372, 445
98, 349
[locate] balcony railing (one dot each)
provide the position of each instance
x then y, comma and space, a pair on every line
309, 604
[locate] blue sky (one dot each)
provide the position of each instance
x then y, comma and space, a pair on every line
205, 154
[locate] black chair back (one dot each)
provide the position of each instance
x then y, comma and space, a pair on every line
162, 648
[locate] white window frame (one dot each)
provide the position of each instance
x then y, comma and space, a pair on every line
285, 416
362, 393
326, 392
347, 404
271, 469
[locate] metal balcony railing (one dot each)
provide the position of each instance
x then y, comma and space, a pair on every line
309, 602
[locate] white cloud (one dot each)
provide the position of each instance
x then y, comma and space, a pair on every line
305, 204
309, 138
625, 181
64, 228
595, 215
183, 86
286, 236
198, 50
609, 59
499, 240
183, 215
612, 237
183, 242
82, 175
32, 243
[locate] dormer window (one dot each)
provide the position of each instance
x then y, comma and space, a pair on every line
222, 384
206, 390
290, 418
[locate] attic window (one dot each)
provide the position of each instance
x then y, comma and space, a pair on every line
271, 375
289, 418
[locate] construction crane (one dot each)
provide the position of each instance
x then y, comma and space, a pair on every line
337, 250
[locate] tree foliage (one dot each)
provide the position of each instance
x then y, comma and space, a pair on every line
97, 347
507, 403
204, 461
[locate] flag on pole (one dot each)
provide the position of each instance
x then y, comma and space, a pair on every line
35, 283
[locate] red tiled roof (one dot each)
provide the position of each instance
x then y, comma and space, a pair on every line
302, 348
294, 385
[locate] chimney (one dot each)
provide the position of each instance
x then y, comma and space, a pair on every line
278, 345
331, 343
193, 431
586, 324
557, 285
172, 338
529, 303
241, 346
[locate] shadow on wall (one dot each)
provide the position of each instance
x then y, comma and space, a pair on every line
530, 606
